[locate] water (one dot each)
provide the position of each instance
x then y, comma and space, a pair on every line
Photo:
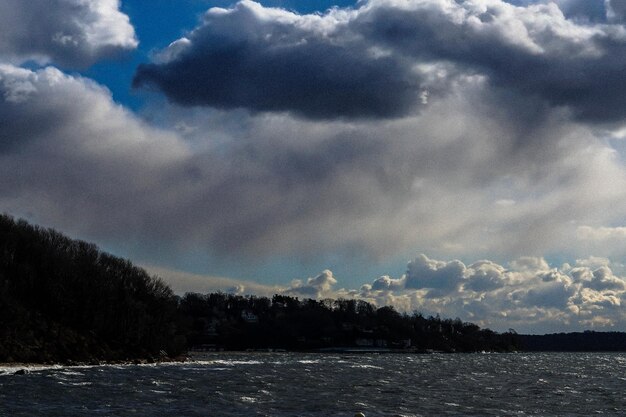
312, 385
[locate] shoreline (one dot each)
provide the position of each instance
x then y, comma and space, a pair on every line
28, 366
192, 356
21, 368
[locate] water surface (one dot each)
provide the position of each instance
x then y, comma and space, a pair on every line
314, 385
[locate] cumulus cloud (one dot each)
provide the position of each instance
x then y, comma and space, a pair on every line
376, 60
599, 279
267, 184
274, 60
485, 276
316, 287
529, 295
533, 49
538, 299
73, 33
427, 273
386, 283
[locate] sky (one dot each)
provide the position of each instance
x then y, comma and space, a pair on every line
456, 157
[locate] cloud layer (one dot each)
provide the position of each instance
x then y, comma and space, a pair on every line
464, 176
482, 168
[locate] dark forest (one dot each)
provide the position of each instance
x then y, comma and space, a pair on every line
64, 300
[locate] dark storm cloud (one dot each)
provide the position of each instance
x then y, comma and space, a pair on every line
243, 59
365, 62
533, 50
71, 33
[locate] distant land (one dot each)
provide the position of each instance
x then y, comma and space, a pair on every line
588, 341
65, 301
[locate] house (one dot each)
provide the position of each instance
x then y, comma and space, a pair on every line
249, 317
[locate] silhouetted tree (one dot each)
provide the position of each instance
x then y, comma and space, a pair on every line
64, 299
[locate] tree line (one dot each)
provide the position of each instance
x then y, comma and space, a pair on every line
285, 322
65, 300
587, 341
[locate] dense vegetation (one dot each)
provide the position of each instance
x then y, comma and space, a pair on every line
65, 300
62, 299
237, 322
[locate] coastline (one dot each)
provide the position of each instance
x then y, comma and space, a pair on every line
192, 356
7, 367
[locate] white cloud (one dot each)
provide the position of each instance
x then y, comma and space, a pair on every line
485, 276
316, 287
386, 283
73, 33
537, 299
531, 297
437, 275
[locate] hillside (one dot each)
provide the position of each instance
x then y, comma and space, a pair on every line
64, 299
283, 322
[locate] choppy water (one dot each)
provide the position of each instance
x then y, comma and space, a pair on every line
302, 385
